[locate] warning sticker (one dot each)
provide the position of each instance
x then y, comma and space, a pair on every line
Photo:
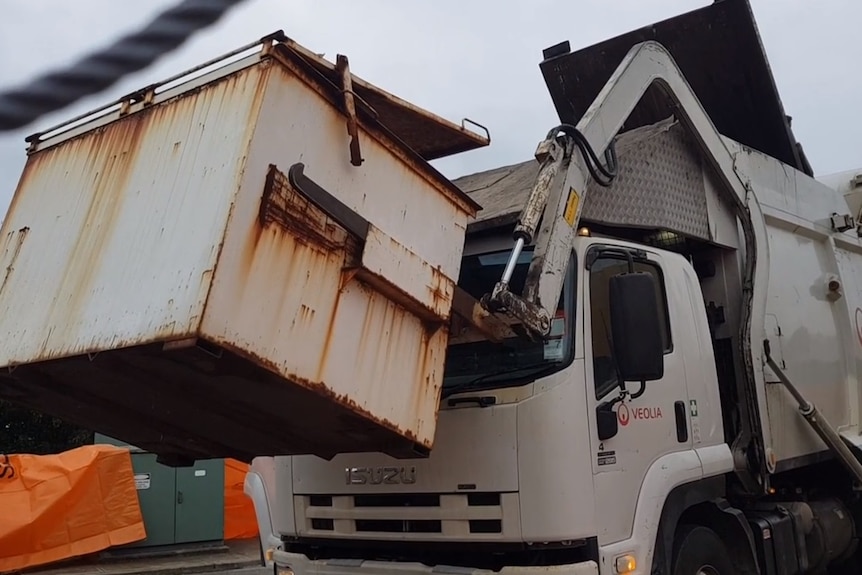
571, 207
606, 457
142, 481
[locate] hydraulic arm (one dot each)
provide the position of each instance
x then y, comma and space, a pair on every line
551, 214
555, 203
554, 241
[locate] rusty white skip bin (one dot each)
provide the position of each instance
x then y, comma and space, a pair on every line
239, 265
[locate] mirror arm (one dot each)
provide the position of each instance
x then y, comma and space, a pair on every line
619, 398
631, 261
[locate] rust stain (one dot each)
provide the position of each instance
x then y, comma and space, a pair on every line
306, 314
440, 289
20, 236
384, 327
112, 153
365, 331
285, 207
327, 342
250, 248
399, 296
102, 161
322, 390
412, 161
291, 228
245, 263
421, 376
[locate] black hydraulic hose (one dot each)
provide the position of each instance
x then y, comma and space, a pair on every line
603, 176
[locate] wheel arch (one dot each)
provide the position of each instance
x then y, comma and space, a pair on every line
703, 503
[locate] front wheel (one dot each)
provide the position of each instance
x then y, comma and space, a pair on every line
700, 551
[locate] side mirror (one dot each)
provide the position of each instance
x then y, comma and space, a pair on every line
636, 327
606, 421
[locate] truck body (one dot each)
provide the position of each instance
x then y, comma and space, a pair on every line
735, 452
649, 364
519, 475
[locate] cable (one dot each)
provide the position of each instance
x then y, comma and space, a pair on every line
101, 70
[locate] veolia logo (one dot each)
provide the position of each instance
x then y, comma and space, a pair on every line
646, 413
623, 414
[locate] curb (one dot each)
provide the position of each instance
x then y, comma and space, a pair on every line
119, 556
190, 569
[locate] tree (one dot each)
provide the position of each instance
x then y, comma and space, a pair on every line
23, 430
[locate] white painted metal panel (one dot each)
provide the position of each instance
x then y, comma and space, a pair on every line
178, 223
123, 226
812, 332
451, 463
451, 466
809, 342
280, 295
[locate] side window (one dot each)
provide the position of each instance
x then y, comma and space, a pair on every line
605, 267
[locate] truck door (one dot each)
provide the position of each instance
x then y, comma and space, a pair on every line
648, 424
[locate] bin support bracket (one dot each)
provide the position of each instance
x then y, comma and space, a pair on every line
343, 67
335, 208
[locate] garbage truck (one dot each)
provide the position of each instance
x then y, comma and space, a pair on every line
638, 352
667, 381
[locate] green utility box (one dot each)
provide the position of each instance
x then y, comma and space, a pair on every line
181, 505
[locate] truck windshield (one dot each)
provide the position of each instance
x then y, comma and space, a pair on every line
480, 364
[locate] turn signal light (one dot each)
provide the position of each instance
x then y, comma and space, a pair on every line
626, 564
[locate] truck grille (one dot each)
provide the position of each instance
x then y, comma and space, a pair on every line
457, 516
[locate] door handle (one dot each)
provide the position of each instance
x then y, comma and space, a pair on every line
681, 424
179, 497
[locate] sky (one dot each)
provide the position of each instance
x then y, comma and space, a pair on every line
457, 58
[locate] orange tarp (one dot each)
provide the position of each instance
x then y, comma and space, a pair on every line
239, 519
54, 507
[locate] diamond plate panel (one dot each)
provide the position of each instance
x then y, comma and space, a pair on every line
660, 184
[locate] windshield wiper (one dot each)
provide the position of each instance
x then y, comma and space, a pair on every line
464, 386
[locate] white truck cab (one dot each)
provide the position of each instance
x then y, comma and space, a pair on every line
520, 467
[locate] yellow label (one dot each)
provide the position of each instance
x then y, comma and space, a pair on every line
571, 207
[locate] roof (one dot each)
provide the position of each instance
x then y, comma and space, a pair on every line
431, 136
719, 51
501, 192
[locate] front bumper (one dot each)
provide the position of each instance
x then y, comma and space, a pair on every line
301, 565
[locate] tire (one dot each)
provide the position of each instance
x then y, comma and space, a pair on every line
700, 551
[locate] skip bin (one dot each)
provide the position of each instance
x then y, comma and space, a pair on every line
255, 259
